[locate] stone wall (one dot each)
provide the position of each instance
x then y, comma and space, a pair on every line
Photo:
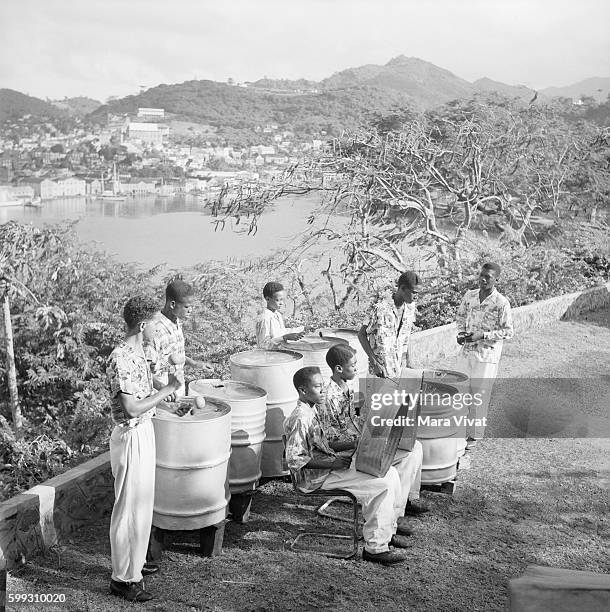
46, 514
32, 522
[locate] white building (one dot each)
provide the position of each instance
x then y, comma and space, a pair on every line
151, 113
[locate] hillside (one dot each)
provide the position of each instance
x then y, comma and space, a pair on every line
427, 84
225, 106
340, 101
14, 104
510, 91
595, 87
79, 106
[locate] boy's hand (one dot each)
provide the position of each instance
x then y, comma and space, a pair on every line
175, 379
341, 462
206, 366
183, 409
475, 337
294, 336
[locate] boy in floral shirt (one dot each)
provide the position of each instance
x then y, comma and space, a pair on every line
317, 465
132, 452
385, 336
484, 320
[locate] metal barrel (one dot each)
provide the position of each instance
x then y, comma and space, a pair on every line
314, 349
438, 431
248, 412
191, 486
273, 372
456, 379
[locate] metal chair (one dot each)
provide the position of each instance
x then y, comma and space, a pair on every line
334, 495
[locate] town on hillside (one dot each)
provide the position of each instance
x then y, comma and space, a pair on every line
42, 158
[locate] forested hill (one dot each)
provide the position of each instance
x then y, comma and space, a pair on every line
14, 104
224, 106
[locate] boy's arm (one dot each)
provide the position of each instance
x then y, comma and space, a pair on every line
135, 408
299, 453
263, 335
198, 364
122, 387
460, 317
364, 342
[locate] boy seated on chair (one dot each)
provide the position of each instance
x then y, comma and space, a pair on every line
343, 427
316, 465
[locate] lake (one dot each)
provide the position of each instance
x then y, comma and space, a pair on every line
176, 231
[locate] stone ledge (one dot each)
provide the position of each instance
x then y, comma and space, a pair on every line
32, 522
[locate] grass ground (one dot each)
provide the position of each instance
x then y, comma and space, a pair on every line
524, 501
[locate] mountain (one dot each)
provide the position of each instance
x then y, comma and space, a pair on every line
510, 91
427, 84
79, 106
14, 104
595, 87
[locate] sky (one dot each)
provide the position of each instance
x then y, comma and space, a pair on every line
102, 48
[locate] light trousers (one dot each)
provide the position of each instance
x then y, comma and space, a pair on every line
381, 501
482, 377
408, 465
132, 459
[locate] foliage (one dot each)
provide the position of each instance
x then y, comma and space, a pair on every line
243, 109
427, 182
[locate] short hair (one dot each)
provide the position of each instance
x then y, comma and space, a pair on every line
492, 266
178, 290
271, 288
409, 279
139, 309
339, 355
304, 375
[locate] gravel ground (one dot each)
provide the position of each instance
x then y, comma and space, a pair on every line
525, 500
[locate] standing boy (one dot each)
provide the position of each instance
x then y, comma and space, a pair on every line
385, 336
132, 452
316, 465
270, 328
343, 427
484, 321
164, 341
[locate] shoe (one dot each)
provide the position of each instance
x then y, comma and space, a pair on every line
149, 569
416, 506
131, 591
389, 557
400, 541
403, 527
470, 443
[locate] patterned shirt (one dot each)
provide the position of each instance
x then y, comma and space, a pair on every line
306, 440
492, 316
388, 332
128, 373
166, 339
337, 414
